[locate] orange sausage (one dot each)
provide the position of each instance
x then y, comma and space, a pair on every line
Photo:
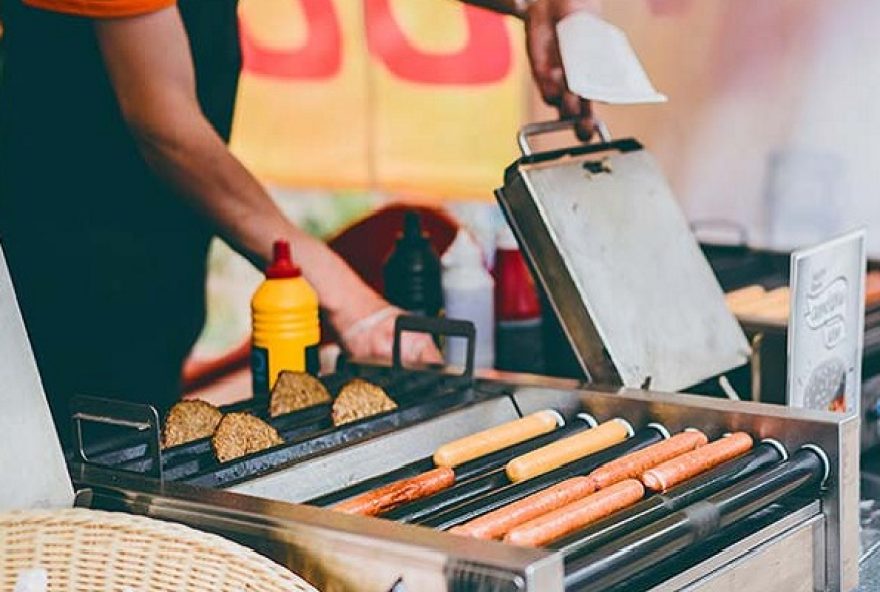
497, 438
682, 468
872, 288
497, 523
554, 455
567, 519
634, 464
744, 295
388, 497
775, 311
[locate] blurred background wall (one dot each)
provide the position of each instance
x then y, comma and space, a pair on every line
348, 104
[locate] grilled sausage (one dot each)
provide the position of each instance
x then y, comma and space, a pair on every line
388, 497
872, 288
488, 441
744, 295
778, 312
564, 451
567, 519
497, 523
773, 298
682, 468
634, 464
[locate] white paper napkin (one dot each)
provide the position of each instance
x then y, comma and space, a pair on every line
32, 580
600, 64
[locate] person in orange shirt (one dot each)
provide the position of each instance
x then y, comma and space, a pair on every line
115, 175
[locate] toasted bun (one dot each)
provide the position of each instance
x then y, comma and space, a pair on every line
189, 420
239, 434
359, 399
294, 391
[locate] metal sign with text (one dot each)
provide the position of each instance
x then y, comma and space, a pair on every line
826, 326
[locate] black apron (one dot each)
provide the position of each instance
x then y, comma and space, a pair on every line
108, 263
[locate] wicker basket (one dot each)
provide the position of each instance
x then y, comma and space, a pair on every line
89, 551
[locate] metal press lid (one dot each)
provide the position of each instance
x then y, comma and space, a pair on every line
32, 467
620, 265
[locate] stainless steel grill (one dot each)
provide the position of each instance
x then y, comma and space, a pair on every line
640, 307
813, 532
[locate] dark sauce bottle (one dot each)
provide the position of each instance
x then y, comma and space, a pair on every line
412, 271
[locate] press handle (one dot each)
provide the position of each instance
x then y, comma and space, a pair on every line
436, 327
558, 125
143, 418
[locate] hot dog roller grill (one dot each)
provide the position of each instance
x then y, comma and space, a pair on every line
805, 539
778, 526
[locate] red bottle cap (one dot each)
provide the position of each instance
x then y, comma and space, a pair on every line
282, 265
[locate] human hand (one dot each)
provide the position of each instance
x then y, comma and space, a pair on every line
372, 337
542, 43
363, 320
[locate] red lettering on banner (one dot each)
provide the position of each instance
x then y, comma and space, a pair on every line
319, 57
486, 58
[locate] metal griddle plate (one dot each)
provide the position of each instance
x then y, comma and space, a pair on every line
31, 461
625, 275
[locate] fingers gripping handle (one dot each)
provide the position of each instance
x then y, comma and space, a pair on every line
546, 127
436, 328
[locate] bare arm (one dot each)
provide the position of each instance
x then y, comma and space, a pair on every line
540, 17
149, 64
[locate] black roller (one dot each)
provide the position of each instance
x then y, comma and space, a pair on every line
642, 548
650, 510
647, 579
516, 491
480, 475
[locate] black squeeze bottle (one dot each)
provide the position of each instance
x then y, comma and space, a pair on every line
412, 271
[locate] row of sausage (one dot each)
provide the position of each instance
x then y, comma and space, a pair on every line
571, 503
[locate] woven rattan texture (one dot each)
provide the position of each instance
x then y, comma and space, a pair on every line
89, 551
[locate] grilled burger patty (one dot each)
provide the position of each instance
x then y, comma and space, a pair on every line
359, 399
294, 391
239, 434
189, 420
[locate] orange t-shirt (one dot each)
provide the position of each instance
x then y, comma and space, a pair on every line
101, 8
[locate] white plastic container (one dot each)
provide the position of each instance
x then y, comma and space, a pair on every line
468, 293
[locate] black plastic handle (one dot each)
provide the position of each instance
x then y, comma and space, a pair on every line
143, 418
436, 327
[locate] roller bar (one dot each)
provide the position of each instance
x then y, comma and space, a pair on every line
628, 555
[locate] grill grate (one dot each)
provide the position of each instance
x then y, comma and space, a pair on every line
420, 395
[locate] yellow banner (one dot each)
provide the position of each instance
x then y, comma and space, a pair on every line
421, 97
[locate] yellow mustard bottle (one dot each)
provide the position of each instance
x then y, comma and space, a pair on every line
286, 329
